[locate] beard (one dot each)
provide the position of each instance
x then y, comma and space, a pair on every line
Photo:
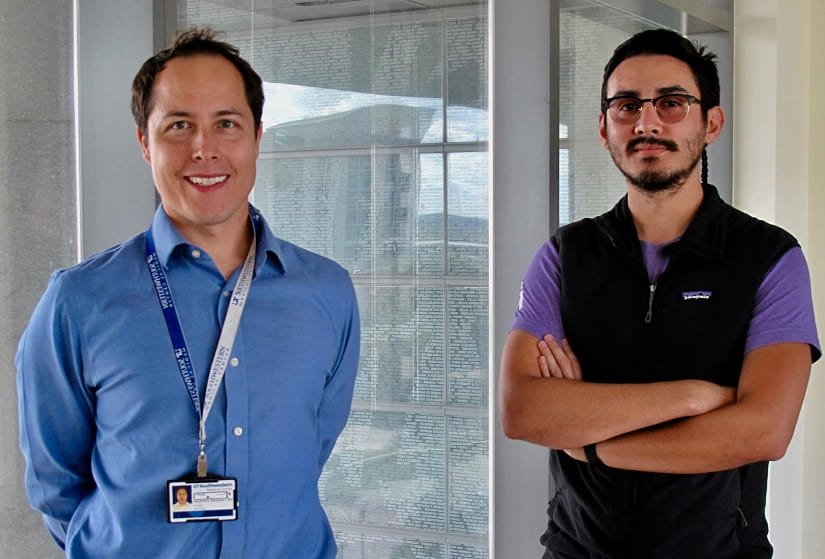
659, 181
653, 181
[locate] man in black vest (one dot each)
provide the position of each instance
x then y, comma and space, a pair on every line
661, 350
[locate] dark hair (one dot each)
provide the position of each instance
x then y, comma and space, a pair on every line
190, 43
663, 41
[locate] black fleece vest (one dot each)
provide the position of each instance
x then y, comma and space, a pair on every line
690, 324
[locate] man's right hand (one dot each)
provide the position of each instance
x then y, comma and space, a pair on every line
710, 396
558, 360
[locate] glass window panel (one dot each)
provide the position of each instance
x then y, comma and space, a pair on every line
467, 552
361, 545
218, 15
388, 470
468, 346
378, 214
468, 209
403, 341
468, 475
565, 211
333, 92
430, 220
466, 69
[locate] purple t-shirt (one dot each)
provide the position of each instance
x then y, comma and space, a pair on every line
783, 311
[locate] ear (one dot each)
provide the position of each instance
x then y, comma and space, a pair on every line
603, 130
715, 123
143, 140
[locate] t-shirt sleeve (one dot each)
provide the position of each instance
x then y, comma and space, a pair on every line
539, 311
783, 310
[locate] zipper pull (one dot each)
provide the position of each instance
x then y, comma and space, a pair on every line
649, 315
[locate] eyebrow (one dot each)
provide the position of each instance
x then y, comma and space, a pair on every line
671, 89
659, 91
229, 112
186, 114
175, 114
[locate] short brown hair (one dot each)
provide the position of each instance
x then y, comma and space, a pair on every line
190, 43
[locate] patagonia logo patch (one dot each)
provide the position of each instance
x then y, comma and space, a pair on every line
696, 295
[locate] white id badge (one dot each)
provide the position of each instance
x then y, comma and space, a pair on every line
202, 498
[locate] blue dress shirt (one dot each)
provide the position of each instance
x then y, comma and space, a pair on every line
106, 421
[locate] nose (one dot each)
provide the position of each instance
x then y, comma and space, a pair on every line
204, 146
648, 122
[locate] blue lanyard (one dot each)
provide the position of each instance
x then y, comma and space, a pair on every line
181, 351
167, 305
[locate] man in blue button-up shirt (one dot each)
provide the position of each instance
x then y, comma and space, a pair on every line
106, 420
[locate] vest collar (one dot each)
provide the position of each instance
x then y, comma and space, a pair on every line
704, 237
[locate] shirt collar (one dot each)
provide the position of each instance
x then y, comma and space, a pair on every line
268, 244
167, 238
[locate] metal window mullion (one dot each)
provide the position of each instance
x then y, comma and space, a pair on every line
423, 281
454, 147
427, 536
445, 93
373, 216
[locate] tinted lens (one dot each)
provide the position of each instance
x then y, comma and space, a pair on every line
672, 108
624, 109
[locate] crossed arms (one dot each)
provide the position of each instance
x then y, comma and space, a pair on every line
544, 401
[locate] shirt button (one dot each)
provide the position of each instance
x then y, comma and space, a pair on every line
237, 431
227, 293
196, 253
234, 361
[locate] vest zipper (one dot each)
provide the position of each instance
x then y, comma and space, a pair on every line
649, 315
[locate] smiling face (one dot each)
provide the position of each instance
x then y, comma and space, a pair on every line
182, 495
652, 155
202, 144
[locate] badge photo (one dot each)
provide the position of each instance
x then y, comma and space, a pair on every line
199, 499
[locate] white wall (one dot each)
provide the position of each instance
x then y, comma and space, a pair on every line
117, 195
38, 215
779, 164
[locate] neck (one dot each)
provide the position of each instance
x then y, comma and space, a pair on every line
661, 217
226, 243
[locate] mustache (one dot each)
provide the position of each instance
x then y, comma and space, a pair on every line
667, 144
